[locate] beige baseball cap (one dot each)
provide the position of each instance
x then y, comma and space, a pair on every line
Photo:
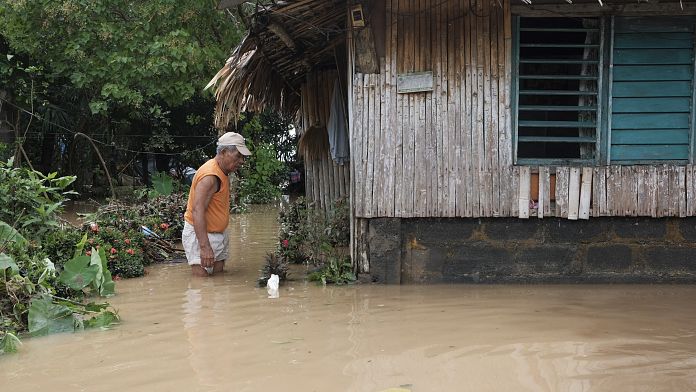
234, 139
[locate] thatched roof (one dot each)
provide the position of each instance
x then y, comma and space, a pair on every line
284, 42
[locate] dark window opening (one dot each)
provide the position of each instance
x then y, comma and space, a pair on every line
557, 88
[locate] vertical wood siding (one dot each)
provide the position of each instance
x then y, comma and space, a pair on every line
325, 182
445, 152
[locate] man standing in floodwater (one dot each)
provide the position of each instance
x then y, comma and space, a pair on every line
205, 236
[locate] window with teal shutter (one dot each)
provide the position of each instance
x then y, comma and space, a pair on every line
556, 89
651, 89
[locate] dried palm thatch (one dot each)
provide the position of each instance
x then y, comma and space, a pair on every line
314, 143
284, 43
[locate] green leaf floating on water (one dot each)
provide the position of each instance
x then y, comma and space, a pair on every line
9, 343
102, 320
78, 273
46, 317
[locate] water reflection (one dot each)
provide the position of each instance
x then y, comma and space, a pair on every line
223, 334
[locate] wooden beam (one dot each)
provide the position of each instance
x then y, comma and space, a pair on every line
585, 193
523, 200
277, 29
594, 9
574, 193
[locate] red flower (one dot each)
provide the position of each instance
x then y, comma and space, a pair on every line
130, 251
88, 253
286, 243
113, 251
127, 241
94, 227
116, 278
164, 226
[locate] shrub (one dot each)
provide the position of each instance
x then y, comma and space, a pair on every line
337, 270
306, 235
124, 251
59, 245
30, 200
293, 220
30, 295
163, 216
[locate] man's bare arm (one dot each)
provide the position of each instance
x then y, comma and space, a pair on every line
205, 189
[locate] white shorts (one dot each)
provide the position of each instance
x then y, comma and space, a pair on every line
220, 242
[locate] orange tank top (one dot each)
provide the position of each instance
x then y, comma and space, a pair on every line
217, 215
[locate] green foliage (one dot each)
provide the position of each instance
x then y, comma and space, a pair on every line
275, 264
8, 234
118, 226
5, 152
46, 317
30, 199
259, 184
78, 273
28, 301
122, 53
9, 342
127, 74
163, 184
294, 230
336, 270
89, 270
272, 128
308, 236
264, 174
123, 250
59, 245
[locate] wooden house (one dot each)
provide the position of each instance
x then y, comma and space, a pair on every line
467, 118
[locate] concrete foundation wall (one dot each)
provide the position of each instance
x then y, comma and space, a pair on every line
431, 250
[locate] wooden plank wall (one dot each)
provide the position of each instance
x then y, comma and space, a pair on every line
445, 152
584, 192
448, 152
326, 181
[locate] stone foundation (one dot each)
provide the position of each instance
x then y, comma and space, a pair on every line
430, 250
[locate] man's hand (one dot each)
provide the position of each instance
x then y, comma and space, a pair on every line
204, 192
207, 257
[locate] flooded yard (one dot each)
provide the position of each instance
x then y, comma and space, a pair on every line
180, 333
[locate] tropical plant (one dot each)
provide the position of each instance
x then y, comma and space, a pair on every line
275, 265
335, 270
31, 200
28, 296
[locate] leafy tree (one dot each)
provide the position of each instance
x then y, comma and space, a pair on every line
274, 151
122, 53
129, 74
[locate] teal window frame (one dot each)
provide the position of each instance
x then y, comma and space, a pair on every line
603, 145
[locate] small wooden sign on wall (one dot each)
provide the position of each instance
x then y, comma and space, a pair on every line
414, 82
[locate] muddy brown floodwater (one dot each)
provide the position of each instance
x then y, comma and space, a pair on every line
223, 334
